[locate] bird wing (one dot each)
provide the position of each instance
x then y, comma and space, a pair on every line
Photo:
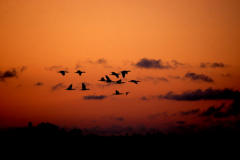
117, 92
123, 74
83, 86
108, 78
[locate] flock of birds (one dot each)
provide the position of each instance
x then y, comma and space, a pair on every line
107, 80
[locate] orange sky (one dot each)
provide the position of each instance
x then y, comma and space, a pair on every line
39, 38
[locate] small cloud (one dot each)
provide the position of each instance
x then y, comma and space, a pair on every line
102, 61
213, 65
114, 118
181, 122
156, 79
226, 75
198, 77
90, 97
189, 112
153, 116
144, 98
177, 64
152, 64
175, 77
23, 68
8, 74
39, 84
58, 86
59, 67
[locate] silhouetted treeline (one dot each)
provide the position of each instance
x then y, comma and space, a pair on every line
50, 135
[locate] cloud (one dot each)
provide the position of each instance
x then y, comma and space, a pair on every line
102, 61
154, 116
213, 65
156, 79
189, 112
208, 94
58, 86
59, 67
175, 77
39, 84
181, 122
23, 68
177, 64
114, 118
8, 74
144, 98
152, 64
222, 111
226, 75
198, 77
90, 97
114, 129
78, 66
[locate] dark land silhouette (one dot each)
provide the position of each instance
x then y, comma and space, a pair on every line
50, 135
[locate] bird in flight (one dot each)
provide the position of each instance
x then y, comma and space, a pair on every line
70, 87
84, 87
117, 93
63, 72
115, 74
119, 81
80, 72
134, 81
108, 79
102, 79
124, 72
127, 93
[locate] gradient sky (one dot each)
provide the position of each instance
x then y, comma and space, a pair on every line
185, 54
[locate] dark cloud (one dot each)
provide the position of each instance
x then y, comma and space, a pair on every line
102, 61
212, 65
198, 77
39, 84
144, 98
208, 94
58, 86
189, 112
222, 111
114, 118
177, 64
226, 75
59, 67
114, 129
8, 74
154, 116
156, 79
181, 122
164, 114
152, 64
90, 97
175, 77
23, 68
78, 66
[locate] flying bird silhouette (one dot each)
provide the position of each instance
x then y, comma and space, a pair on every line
127, 93
115, 74
119, 81
134, 81
108, 79
84, 87
124, 72
117, 93
70, 87
102, 79
80, 72
62, 72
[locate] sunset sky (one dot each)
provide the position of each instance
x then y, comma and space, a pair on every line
185, 54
